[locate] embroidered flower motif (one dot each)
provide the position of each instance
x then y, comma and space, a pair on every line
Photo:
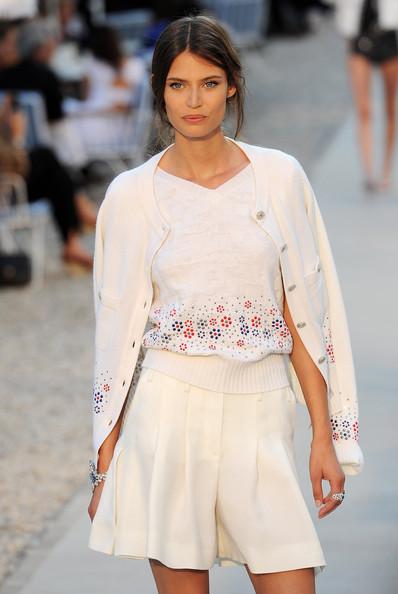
244, 329
226, 321
101, 388
204, 322
278, 323
344, 426
189, 332
215, 333
256, 321
328, 339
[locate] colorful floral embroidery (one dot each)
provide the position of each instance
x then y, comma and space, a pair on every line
345, 426
101, 389
220, 324
328, 339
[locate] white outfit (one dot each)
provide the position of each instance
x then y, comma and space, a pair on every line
130, 231
204, 475
218, 292
100, 128
200, 477
102, 93
348, 15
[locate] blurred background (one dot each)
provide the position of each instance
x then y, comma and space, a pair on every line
75, 110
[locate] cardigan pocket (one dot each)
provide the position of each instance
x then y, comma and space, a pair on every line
105, 326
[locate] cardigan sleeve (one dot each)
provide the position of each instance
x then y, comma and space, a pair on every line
344, 420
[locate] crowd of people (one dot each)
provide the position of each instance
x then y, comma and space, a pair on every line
80, 68
59, 170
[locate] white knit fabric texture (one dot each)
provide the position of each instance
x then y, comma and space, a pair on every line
218, 293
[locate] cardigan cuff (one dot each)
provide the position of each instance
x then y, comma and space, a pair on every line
350, 456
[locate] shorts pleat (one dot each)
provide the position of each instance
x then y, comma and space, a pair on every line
201, 477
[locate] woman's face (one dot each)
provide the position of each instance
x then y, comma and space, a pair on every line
196, 87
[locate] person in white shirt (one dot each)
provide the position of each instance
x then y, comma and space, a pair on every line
200, 465
112, 77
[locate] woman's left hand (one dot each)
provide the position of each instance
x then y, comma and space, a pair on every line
324, 465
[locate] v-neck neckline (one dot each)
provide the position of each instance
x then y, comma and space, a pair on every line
199, 186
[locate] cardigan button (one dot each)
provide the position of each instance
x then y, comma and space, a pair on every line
321, 359
301, 324
260, 214
124, 381
319, 268
145, 304
284, 247
133, 345
110, 422
291, 288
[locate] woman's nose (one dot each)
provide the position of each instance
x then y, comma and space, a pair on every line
194, 98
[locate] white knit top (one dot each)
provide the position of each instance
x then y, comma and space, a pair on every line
218, 293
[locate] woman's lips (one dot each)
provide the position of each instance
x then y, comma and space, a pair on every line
194, 119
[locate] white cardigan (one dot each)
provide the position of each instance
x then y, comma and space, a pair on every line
130, 229
348, 15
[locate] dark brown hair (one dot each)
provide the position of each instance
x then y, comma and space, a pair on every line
105, 45
204, 36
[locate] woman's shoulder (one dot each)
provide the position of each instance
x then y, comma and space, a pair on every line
275, 161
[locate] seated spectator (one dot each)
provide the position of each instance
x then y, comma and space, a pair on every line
45, 177
112, 78
25, 66
72, 25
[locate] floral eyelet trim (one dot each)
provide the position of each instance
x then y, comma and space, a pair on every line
101, 390
233, 326
345, 426
328, 340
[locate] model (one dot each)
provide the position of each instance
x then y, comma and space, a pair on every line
371, 30
220, 244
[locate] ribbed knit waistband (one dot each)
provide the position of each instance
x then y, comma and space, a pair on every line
220, 374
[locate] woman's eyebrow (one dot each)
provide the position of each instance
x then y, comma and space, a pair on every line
183, 80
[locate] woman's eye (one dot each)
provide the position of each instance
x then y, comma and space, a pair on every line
211, 82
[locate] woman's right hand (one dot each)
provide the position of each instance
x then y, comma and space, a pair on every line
95, 498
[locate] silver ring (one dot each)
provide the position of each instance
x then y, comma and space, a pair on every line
338, 496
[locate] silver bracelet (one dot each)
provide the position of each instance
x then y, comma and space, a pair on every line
95, 477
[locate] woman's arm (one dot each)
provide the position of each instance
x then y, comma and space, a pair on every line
323, 461
105, 453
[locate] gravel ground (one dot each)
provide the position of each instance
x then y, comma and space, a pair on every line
298, 98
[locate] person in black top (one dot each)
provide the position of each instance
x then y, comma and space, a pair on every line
29, 71
373, 46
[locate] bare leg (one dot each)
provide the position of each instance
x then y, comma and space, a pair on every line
86, 209
75, 255
389, 71
179, 581
360, 71
296, 581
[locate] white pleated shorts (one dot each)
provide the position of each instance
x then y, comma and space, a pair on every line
200, 477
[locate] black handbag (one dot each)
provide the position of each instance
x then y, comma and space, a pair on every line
15, 269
